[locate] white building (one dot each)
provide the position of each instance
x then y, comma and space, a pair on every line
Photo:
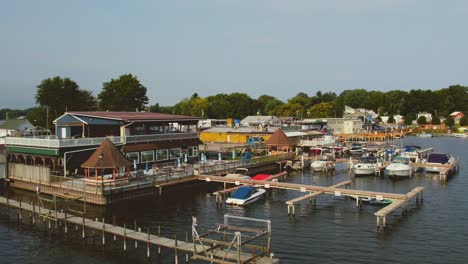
15, 127
457, 116
427, 115
261, 120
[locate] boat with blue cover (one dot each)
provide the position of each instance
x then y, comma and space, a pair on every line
245, 195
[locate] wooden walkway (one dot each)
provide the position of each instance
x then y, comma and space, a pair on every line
399, 199
135, 234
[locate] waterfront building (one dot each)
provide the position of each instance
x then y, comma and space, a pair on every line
457, 116
261, 121
427, 115
14, 127
143, 138
238, 135
208, 123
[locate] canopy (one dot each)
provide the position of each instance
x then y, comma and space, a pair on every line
111, 157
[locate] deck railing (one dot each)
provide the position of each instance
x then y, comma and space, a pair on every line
52, 142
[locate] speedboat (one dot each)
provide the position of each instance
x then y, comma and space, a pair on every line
239, 173
356, 149
367, 166
301, 164
416, 156
324, 162
245, 195
424, 135
438, 159
400, 167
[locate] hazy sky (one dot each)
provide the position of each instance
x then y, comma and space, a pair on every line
276, 47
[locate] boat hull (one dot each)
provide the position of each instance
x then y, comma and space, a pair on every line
254, 197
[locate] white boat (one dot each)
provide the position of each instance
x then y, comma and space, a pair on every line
459, 135
239, 173
245, 195
356, 149
324, 162
301, 164
438, 160
424, 135
416, 155
367, 166
399, 167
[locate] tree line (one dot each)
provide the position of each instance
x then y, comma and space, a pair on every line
56, 95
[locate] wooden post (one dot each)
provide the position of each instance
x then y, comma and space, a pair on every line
113, 221
186, 254
103, 232
19, 211
135, 226
83, 228
175, 248
125, 238
148, 245
33, 213
159, 234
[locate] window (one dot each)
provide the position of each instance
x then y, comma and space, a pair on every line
162, 154
175, 153
133, 156
147, 156
192, 151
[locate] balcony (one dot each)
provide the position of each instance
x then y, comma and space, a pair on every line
55, 143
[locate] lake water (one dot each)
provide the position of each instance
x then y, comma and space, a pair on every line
334, 231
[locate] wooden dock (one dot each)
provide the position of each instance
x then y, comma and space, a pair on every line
138, 235
399, 199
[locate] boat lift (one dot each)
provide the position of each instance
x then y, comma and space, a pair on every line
228, 243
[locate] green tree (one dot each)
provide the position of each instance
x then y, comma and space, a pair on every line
267, 104
57, 95
290, 109
409, 118
422, 120
321, 110
123, 94
449, 121
302, 99
391, 119
435, 120
464, 121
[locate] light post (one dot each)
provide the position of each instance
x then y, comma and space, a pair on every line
101, 156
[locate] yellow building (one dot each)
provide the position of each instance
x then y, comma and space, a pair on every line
240, 135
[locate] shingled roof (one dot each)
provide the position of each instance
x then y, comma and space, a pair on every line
112, 158
278, 138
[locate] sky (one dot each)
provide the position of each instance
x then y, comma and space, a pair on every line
278, 47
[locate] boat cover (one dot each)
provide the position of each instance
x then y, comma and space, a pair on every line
243, 192
411, 148
261, 177
441, 158
368, 160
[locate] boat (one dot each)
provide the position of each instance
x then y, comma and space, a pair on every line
459, 135
261, 177
324, 162
416, 155
374, 201
424, 135
438, 159
367, 166
245, 195
356, 149
239, 173
399, 167
301, 164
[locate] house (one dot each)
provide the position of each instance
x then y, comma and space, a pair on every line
457, 116
261, 121
15, 127
399, 119
340, 125
427, 115
142, 137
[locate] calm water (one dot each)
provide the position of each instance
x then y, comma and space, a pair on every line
334, 231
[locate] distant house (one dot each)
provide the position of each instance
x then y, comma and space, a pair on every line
457, 116
399, 119
15, 127
427, 115
261, 120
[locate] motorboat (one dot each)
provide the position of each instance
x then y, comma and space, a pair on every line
367, 166
356, 149
424, 135
439, 159
301, 164
400, 167
324, 162
239, 173
416, 155
261, 177
245, 195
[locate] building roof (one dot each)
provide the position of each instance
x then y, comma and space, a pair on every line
14, 123
112, 158
133, 116
278, 138
240, 130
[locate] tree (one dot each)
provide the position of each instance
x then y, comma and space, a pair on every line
464, 121
422, 120
123, 94
391, 119
409, 118
449, 121
321, 110
435, 120
57, 95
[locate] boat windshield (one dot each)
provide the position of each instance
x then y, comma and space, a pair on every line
401, 160
368, 160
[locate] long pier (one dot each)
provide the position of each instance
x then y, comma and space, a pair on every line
216, 254
399, 199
